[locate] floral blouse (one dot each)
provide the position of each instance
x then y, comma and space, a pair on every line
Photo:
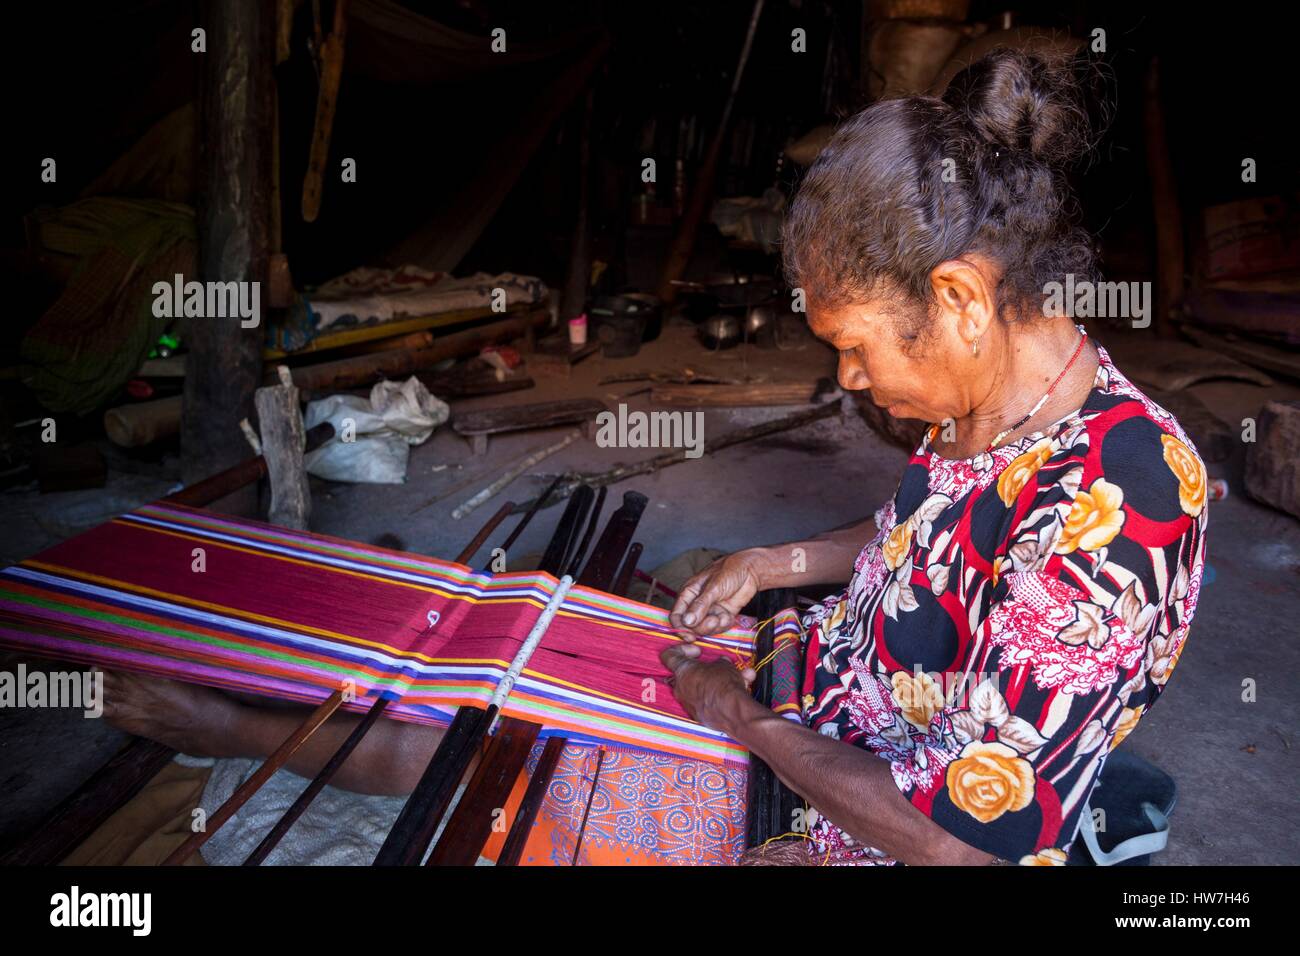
1016, 615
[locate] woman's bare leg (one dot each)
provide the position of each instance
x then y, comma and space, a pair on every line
207, 723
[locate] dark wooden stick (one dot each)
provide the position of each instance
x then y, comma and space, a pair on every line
470, 825
607, 557
216, 487
102, 794
582, 827
624, 579
528, 515
575, 561
471, 549
412, 832
254, 783
534, 796
677, 456
570, 521
317, 784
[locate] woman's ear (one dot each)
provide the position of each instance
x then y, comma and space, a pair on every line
965, 290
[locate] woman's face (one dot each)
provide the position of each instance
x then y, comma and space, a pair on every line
907, 377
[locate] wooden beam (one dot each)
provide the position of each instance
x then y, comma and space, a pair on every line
103, 793
1170, 259
237, 111
732, 396
364, 369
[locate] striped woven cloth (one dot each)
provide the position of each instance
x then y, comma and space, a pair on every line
185, 594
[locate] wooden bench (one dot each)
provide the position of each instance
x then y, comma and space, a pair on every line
476, 426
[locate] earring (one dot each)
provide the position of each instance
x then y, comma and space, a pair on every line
975, 348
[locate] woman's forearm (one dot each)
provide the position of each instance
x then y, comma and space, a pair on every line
826, 558
852, 788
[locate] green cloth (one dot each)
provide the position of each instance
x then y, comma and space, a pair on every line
91, 341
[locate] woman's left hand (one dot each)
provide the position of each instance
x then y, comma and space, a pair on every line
712, 692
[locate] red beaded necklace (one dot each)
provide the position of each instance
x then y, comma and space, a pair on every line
1083, 337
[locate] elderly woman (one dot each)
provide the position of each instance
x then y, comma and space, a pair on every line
1045, 544
1046, 540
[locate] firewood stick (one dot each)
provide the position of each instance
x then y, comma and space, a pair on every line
678, 456
540, 455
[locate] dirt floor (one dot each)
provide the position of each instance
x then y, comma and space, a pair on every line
1235, 761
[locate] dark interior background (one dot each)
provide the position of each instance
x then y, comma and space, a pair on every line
84, 81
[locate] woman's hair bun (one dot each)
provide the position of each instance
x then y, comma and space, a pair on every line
1027, 104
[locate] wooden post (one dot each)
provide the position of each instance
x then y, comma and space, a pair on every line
579, 278
283, 438
237, 109
1168, 215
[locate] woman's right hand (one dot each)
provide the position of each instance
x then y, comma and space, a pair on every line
709, 601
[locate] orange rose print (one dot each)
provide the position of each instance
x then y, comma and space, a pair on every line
1095, 518
990, 779
1017, 474
1128, 719
1052, 856
1189, 471
918, 696
898, 545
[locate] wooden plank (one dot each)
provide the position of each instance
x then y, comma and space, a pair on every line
415, 826
512, 418
771, 805
471, 822
356, 334
534, 796
1252, 353
102, 795
732, 396
397, 363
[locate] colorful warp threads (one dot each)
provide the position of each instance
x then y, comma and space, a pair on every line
231, 603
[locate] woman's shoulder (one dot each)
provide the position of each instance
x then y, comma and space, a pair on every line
1132, 444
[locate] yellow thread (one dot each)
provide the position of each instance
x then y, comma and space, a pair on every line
801, 836
748, 663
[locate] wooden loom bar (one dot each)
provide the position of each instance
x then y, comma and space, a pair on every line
471, 549
254, 783
97, 799
534, 796
416, 824
326, 774
471, 822
624, 579
216, 487
574, 561
570, 522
